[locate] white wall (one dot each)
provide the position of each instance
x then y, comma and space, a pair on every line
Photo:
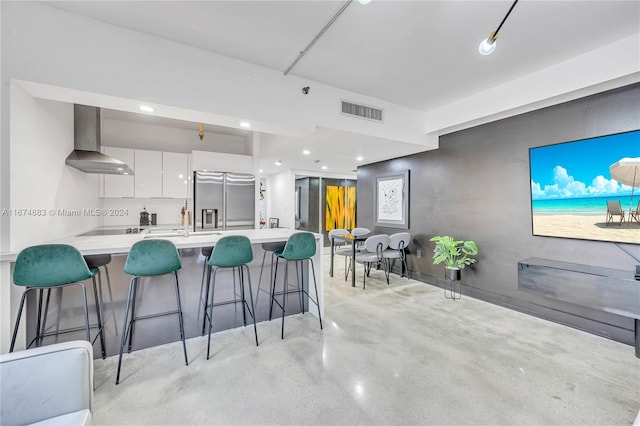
220, 162
41, 140
127, 134
281, 193
168, 210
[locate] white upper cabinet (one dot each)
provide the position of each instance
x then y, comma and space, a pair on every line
120, 186
175, 175
148, 174
156, 175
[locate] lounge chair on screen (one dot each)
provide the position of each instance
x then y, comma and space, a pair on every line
614, 208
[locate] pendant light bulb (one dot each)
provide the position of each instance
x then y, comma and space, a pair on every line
201, 132
488, 45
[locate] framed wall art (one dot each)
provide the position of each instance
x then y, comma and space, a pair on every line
392, 200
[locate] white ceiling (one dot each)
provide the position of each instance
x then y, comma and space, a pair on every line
419, 54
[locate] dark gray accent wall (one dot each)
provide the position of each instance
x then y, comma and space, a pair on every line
309, 189
476, 186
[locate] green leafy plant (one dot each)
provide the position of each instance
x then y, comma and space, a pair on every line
455, 254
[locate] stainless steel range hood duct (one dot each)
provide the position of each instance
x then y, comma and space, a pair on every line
86, 155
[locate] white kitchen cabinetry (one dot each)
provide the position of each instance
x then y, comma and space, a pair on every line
120, 186
175, 175
148, 174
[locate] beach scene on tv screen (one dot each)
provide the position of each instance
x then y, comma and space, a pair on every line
588, 189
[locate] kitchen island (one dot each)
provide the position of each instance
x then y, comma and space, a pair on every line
159, 293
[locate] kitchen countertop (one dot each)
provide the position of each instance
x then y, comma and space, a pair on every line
121, 244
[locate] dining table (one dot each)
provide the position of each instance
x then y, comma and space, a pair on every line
354, 239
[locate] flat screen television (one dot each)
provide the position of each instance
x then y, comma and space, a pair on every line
576, 193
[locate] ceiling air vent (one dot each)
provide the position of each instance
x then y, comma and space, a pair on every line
362, 111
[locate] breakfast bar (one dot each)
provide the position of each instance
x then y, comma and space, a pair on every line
159, 295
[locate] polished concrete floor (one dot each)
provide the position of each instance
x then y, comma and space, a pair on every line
400, 354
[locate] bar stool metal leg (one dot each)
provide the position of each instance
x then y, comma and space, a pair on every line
213, 289
132, 328
182, 335
99, 316
206, 300
253, 313
15, 328
125, 328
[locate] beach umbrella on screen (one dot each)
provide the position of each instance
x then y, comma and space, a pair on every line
627, 171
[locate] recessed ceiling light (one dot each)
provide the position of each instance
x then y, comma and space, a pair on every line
260, 171
180, 176
146, 108
278, 163
245, 124
324, 167
364, 1
359, 158
306, 152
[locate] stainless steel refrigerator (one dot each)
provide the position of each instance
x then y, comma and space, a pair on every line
224, 201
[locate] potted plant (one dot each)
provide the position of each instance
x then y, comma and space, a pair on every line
456, 254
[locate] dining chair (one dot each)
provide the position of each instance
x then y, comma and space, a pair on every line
374, 248
357, 232
397, 245
339, 248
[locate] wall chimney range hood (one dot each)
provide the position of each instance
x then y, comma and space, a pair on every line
86, 155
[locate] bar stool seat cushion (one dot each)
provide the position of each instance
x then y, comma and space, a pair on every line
275, 246
50, 265
97, 260
152, 257
301, 245
231, 251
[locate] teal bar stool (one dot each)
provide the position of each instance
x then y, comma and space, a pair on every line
148, 258
51, 266
231, 252
300, 246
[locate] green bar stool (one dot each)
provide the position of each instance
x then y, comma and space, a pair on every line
231, 252
148, 258
51, 266
300, 246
